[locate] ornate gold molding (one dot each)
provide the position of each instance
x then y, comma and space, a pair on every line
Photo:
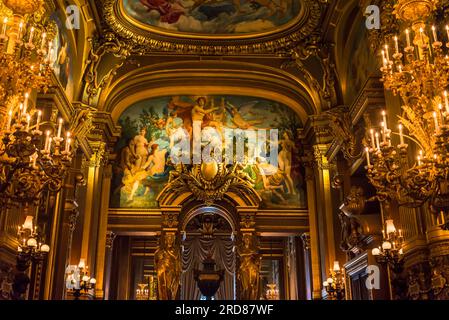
146, 42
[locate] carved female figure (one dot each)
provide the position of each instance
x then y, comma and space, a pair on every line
168, 268
248, 273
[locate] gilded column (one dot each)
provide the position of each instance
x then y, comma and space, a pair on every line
90, 218
102, 232
314, 241
326, 214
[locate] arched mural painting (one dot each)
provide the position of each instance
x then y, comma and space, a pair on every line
143, 165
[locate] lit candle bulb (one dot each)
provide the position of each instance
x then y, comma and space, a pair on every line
446, 102
44, 37
372, 139
25, 104
407, 32
440, 107
384, 132
49, 144
400, 69
367, 156
384, 60
47, 139
396, 44
434, 32
419, 160
8, 125
30, 40
20, 30
28, 122
5, 25
401, 134
67, 141
435, 119
60, 127
387, 53
377, 141
20, 110
447, 31
384, 118
39, 115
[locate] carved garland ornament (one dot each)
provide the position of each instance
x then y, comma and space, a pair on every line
149, 42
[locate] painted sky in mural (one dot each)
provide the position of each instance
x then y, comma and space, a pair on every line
143, 166
213, 16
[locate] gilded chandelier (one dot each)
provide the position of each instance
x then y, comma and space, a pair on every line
415, 66
25, 53
391, 251
31, 161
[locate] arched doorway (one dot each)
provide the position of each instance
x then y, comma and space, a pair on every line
208, 232
227, 197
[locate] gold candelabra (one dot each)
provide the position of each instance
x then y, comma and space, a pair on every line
31, 161
335, 284
415, 67
25, 53
391, 250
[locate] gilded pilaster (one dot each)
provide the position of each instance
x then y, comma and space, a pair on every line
102, 232
314, 241
326, 216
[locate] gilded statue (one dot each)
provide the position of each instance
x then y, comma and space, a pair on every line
249, 269
168, 268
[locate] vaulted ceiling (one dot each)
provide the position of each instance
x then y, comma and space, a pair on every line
298, 52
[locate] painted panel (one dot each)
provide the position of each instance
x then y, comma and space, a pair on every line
224, 17
148, 127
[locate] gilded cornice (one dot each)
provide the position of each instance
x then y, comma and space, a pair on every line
147, 42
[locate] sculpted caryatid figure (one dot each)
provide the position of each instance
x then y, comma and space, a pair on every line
168, 267
248, 273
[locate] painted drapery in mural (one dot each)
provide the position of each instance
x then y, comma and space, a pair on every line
149, 133
213, 16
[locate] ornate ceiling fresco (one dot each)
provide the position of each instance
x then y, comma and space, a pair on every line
231, 27
218, 17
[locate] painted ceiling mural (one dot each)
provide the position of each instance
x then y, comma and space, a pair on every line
143, 165
225, 17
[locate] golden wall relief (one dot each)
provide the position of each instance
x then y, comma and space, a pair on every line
151, 130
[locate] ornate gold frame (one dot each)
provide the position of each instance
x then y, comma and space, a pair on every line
151, 39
